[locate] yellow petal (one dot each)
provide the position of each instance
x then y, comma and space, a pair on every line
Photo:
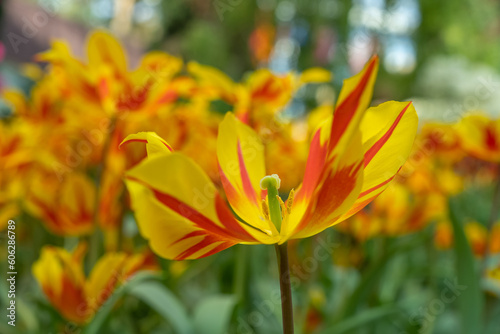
336, 190
354, 99
388, 132
154, 143
62, 280
104, 49
179, 210
103, 279
315, 75
241, 162
480, 136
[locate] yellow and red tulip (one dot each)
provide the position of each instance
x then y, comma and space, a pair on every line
77, 298
477, 234
480, 136
353, 156
65, 207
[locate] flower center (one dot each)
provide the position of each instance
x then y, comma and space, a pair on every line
272, 184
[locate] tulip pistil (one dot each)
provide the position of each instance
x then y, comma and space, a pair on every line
272, 184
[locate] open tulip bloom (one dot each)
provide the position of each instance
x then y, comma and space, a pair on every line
353, 156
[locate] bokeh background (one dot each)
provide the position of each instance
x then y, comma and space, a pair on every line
437, 54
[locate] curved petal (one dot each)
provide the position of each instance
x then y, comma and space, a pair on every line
180, 211
154, 143
480, 136
60, 274
213, 79
104, 49
336, 189
334, 173
241, 166
388, 133
354, 99
318, 150
315, 75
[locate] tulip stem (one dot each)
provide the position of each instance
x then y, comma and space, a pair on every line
240, 272
286, 288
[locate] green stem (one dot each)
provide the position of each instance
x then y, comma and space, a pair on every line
240, 272
286, 288
94, 238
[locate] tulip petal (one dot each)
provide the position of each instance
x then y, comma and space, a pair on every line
154, 143
104, 49
388, 133
479, 136
181, 212
336, 190
354, 99
104, 277
315, 161
329, 190
315, 75
241, 167
62, 280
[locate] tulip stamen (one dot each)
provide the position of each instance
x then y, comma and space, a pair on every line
265, 209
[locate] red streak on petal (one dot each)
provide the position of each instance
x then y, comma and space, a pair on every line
133, 141
189, 235
490, 139
228, 220
314, 167
217, 249
245, 179
11, 146
366, 192
334, 191
270, 90
191, 214
205, 242
231, 192
72, 303
372, 151
143, 141
358, 206
234, 234
103, 88
347, 109
168, 97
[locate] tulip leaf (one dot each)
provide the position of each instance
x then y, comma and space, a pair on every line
28, 315
158, 297
372, 275
471, 298
212, 314
361, 319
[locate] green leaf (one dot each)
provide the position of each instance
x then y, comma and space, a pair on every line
471, 299
28, 315
361, 319
372, 275
212, 314
165, 303
94, 327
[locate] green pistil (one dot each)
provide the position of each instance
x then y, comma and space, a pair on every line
272, 184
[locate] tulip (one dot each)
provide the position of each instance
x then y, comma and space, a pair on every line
353, 156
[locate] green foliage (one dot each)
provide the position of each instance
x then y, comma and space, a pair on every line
470, 301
